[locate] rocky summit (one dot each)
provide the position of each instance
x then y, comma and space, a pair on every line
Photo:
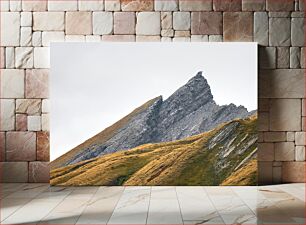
189, 111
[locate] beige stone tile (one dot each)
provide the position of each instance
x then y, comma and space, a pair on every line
263, 121
167, 33
199, 38
20, 146
290, 136
39, 172
112, 5
15, 6
7, 114
283, 57
28, 106
75, 38
238, 26
137, 5
275, 136
2, 146
201, 5
279, 31
43, 146
170, 5
206, 23
300, 153
277, 174
91, 5
55, 36
78, 23
215, 38
2, 57
25, 36
261, 28
297, 32
5, 5
21, 122
181, 21
300, 138
41, 57
34, 5
265, 173
166, 20
26, 19
182, 33
265, 152
166, 39
24, 57
295, 57
37, 83
10, 28
227, 5
12, 83
253, 5
124, 22
102, 23
147, 38
285, 115
34, 123
9, 57
267, 57
45, 106
273, 5
263, 105
48, 21
37, 38
281, 83
284, 151
148, 23
293, 172
14, 172
58, 5
45, 124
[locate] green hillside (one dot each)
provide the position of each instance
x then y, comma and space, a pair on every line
211, 158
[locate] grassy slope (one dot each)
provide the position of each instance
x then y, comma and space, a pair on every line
183, 162
100, 137
243, 176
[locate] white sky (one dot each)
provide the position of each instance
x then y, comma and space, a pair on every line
95, 84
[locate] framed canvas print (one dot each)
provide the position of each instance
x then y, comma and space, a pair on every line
153, 114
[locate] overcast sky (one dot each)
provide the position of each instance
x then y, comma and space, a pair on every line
95, 84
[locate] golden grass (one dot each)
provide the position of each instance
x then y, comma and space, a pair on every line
182, 162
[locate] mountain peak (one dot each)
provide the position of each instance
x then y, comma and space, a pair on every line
198, 77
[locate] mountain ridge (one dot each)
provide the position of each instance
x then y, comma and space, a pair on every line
190, 110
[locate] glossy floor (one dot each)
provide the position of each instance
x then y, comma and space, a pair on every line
41, 204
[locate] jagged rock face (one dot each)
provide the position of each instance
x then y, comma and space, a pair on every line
190, 110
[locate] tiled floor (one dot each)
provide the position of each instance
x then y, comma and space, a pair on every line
41, 204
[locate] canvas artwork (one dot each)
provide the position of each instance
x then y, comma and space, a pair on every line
153, 114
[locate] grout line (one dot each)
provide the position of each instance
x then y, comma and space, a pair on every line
149, 205
88, 201
116, 204
178, 201
55, 206
217, 211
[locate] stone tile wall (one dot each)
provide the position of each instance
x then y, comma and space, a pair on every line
28, 27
